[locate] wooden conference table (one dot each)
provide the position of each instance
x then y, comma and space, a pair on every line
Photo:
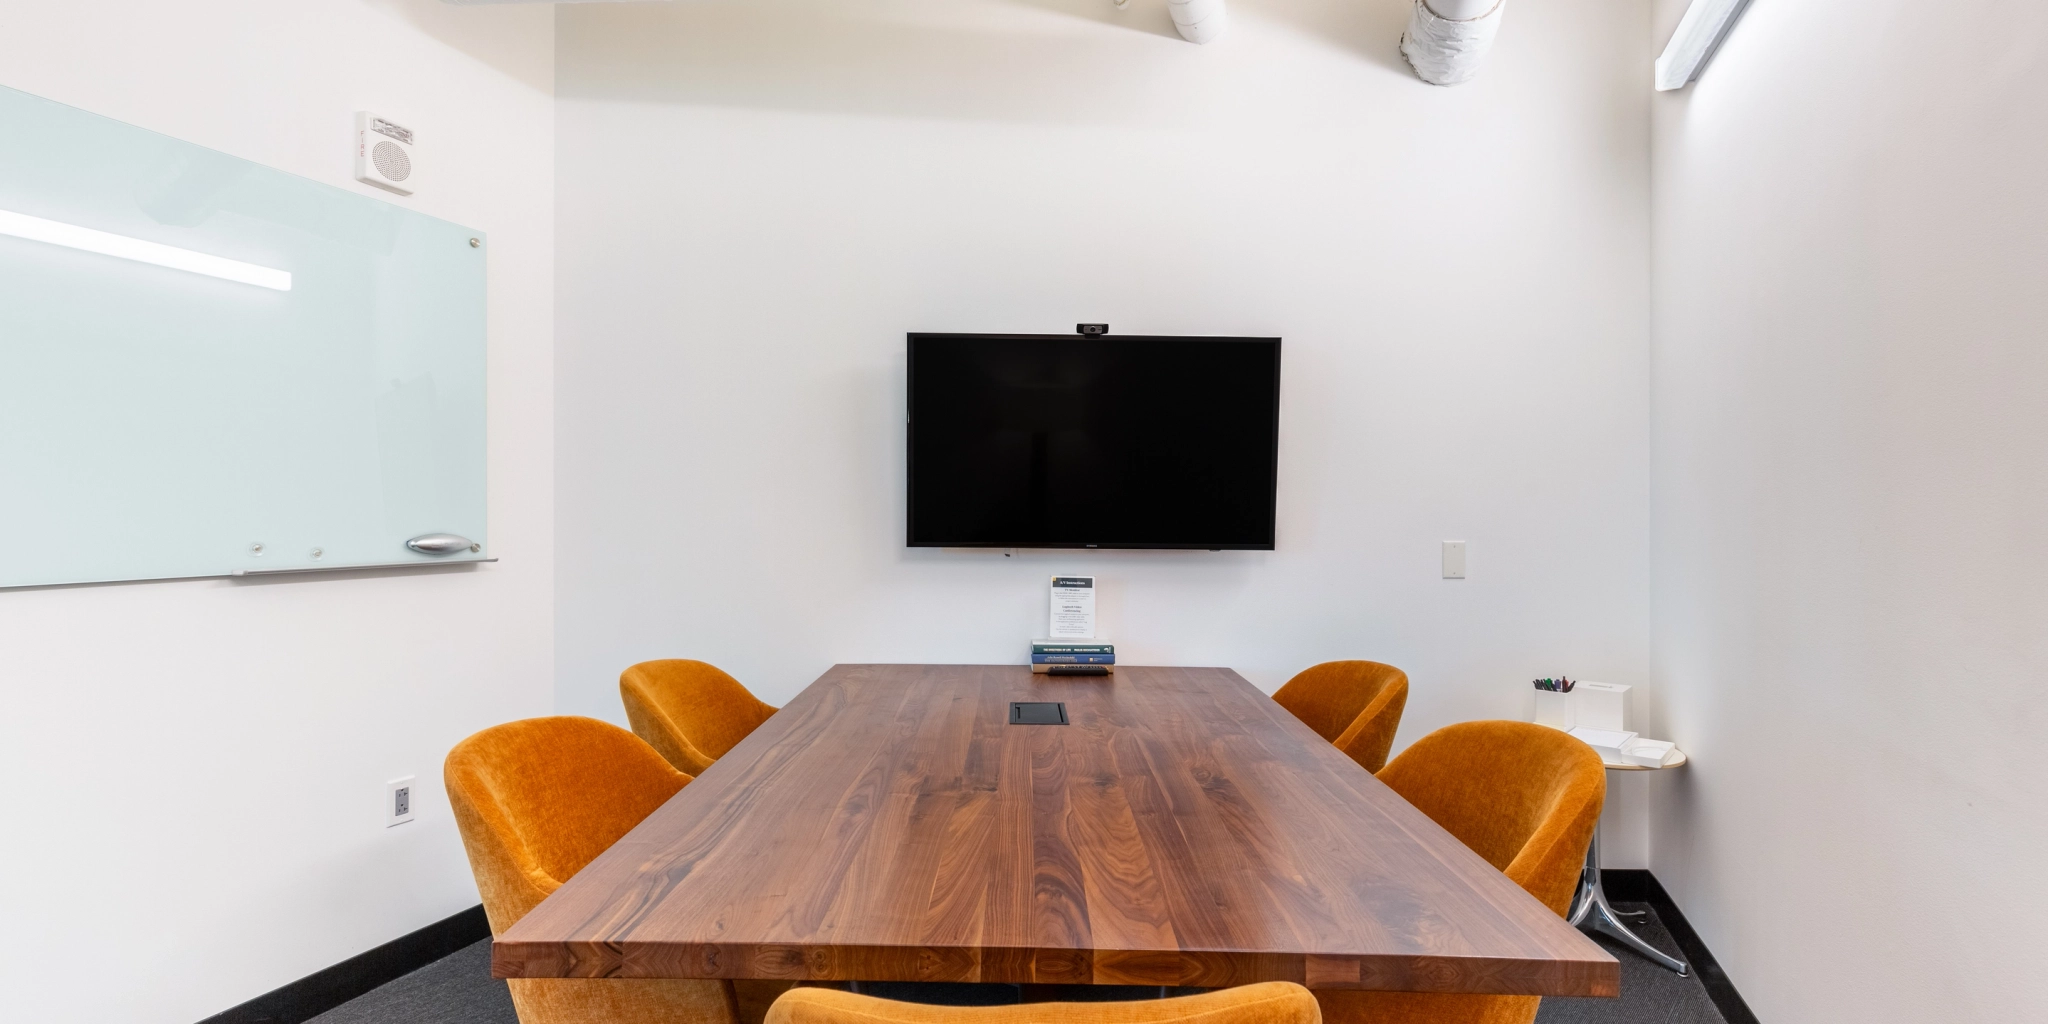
889, 824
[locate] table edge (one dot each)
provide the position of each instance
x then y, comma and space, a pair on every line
1599, 975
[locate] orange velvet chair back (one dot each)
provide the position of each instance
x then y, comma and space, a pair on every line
1272, 1002
1356, 705
1525, 797
689, 711
535, 801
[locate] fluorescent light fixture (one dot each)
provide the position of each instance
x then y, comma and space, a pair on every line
1699, 34
36, 229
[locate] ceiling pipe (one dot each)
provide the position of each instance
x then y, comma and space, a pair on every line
1199, 21
1447, 40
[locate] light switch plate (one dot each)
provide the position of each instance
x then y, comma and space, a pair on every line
1454, 559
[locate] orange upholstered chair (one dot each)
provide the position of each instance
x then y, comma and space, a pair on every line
535, 801
690, 711
1356, 705
1525, 797
1272, 1002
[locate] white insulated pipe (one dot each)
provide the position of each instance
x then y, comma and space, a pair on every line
1199, 21
1462, 10
1447, 40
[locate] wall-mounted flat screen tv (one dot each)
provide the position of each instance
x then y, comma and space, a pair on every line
1064, 441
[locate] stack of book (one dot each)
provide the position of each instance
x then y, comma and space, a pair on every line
1077, 656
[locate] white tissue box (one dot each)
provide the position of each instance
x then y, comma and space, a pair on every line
1605, 742
1648, 753
1602, 706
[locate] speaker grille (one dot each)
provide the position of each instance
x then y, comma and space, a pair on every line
391, 161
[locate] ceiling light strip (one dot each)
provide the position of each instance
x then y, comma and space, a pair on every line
1700, 32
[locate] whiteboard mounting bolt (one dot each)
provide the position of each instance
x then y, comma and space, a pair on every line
255, 549
476, 243
317, 552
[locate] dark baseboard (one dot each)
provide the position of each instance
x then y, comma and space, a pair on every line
1640, 886
321, 991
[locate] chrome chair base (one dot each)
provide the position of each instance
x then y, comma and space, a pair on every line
1590, 911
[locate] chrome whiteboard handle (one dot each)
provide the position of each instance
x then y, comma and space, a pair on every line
442, 544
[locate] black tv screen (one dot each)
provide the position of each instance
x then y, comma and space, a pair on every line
1063, 441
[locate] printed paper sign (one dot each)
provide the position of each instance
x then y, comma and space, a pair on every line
1073, 608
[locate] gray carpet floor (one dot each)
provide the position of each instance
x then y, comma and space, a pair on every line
459, 989
1649, 993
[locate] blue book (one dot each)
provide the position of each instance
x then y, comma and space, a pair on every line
1044, 667
1072, 659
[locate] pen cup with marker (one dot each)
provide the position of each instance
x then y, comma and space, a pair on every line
1554, 705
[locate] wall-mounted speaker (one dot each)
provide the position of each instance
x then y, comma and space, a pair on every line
386, 154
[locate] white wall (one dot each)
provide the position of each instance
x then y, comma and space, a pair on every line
759, 200
1851, 437
192, 773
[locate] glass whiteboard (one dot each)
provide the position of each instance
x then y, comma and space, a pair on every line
168, 410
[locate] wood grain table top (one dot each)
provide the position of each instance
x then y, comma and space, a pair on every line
889, 824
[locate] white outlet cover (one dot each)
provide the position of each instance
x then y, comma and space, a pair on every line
400, 801
1454, 559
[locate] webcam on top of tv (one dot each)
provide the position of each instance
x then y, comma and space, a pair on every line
1092, 330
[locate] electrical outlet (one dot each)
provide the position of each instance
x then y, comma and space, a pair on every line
398, 801
1454, 559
